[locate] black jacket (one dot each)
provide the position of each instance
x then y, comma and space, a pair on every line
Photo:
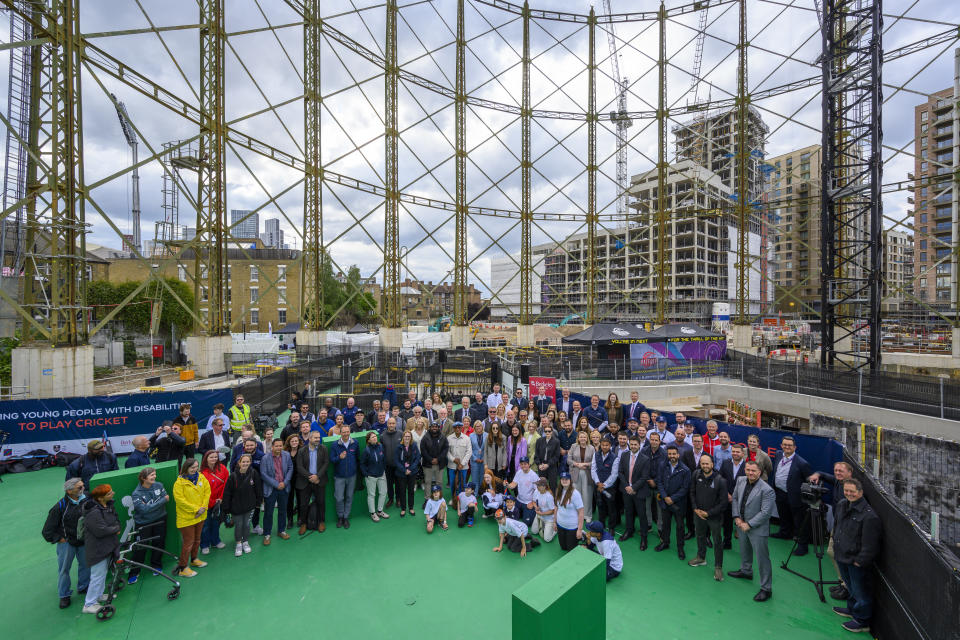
61, 521
856, 533
726, 470
301, 465
243, 493
709, 494
641, 473
169, 448
87, 466
547, 452
206, 444
101, 526
799, 472
433, 447
686, 457
390, 442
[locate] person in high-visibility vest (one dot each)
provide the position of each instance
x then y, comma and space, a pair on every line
239, 416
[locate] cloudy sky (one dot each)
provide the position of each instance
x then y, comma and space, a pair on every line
264, 69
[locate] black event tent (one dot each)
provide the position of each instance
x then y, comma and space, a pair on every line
683, 330
293, 327
607, 333
358, 328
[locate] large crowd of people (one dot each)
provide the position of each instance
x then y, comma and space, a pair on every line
541, 468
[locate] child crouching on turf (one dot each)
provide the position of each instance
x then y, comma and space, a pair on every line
467, 505
601, 541
514, 533
435, 509
545, 522
511, 508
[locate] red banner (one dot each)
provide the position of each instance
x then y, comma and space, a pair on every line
543, 387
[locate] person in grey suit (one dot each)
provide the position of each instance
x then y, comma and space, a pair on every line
753, 501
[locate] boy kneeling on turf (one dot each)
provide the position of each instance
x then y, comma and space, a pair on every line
546, 521
435, 509
601, 541
514, 533
467, 505
511, 508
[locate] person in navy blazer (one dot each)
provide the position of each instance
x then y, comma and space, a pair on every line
542, 402
275, 489
632, 410
565, 403
789, 472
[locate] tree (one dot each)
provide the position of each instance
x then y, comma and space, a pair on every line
136, 314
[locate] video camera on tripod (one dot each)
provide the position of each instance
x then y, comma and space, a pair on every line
812, 494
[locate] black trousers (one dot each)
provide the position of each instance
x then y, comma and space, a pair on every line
567, 538
393, 486
689, 518
670, 513
711, 526
607, 508
654, 510
791, 518
290, 498
635, 506
515, 544
469, 513
728, 524
156, 528
319, 493
404, 489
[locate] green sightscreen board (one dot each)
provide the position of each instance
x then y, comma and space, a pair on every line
124, 481
359, 506
560, 603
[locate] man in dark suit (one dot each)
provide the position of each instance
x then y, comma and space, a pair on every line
463, 411
575, 413
633, 410
546, 456
753, 501
731, 470
674, 488
565, 403
215, 438
634, 474
542, 402
478, 410
789, 472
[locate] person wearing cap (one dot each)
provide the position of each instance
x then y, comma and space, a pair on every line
601, 541
60, 529
514, 533
467, 505
511, 507
140, 456
524, 482
239, 416
189, 429
661, 428
570, 513
169, 442
545, 522
96, 460
459, 451
101, 526
435, 509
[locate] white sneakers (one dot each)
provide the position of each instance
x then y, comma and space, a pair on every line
93, 608
257, 530
374, 517
221, 545
246, 547
239, 550
205, 550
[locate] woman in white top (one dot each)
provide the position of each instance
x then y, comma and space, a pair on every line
569, 513
579, 459
546, 508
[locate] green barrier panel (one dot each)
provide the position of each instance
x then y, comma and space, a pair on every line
561, 602
124, 481
359, 507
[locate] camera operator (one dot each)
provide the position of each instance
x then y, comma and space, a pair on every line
790, 472
841, 471
856, 534
168, 441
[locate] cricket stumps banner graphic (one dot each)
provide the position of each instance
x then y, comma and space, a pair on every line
68, 424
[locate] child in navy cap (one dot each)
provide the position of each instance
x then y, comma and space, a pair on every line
467, 505
603, 542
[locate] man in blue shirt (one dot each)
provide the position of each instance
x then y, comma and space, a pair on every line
139, 457
596, 415
344, 455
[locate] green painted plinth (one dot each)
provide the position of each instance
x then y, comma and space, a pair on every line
124, 481
560, 603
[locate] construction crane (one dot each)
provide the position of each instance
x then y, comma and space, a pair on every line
620, 118
131, 136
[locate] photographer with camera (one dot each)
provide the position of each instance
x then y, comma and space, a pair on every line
841, 472
856, 533
168, 442
790, 472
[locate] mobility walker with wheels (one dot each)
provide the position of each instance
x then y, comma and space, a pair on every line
129, 543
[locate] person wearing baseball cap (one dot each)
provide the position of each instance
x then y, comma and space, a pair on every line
570, 513
661, 428
525, 484
514, 534
459, 452
96, 460
603, 542
435, 509
467, 505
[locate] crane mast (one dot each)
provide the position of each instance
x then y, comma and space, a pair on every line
620, 118
131, 137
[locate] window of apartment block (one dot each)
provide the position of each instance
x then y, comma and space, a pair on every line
924, 116
254, 273
254, 292
923, 258
281, 273
254, 316
282, 316
281, 295
923, 244
182, 273
204, 296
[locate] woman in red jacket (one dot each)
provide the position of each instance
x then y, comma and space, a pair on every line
216, 474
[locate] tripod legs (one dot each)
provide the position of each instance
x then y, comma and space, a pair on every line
812, 518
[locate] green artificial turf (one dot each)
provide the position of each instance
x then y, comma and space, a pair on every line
387, 579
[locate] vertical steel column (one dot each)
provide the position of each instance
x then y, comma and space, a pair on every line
662, 212
460, 240
210, 261
591, 172
743, 157
955, 195
526, 267
55, 279
311, 280
391, 232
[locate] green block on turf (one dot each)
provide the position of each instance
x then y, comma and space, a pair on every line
359, 506
560, 603
124, 481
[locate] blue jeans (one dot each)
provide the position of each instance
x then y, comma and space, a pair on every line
343, 494
66, 552
451, 480
277, 498
98, 580
210, 534
859, 581
528, 515
476, 473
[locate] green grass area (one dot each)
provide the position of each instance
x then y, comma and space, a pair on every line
387, 579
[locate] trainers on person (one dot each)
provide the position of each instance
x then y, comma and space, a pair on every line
205, 550
718, 574
246, 547
266, 541
221, 545
187, 572
239, 550
103, 598
843, 612
697, 562
849, 625
469, 522
284, 535
383, 515
133, 578
257, 530
93, 608
198, 563
374, 517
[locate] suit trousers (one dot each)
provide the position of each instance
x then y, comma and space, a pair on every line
635, 506
673, 512
319, 493
607, 508
791, 519
752, 542
393, 487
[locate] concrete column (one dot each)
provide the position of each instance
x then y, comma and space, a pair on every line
526, 336
460, 337
206, 354
307, 338
47, 372
391, 338
956, 342
742, 337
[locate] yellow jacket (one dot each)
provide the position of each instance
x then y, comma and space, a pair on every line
189, 499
